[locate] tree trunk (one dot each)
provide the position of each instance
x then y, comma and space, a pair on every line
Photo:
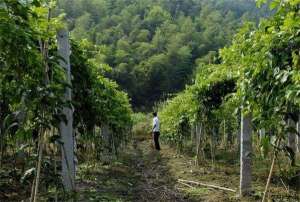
245, 155
66, 126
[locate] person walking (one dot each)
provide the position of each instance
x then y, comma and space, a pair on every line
155, 131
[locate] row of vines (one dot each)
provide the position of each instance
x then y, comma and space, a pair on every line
33, 104
255, 78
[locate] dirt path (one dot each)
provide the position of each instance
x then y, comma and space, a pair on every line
141, 174
156, 182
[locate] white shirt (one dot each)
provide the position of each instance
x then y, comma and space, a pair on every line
155, 124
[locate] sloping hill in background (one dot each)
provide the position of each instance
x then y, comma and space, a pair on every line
153, 46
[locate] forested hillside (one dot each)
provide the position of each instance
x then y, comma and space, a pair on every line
153, 47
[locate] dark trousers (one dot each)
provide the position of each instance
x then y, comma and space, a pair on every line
155, 138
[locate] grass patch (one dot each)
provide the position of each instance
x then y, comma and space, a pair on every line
198, 191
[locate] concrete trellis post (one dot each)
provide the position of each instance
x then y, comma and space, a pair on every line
66, 128
238, 134
262, 133
298, 137
245, 155
292, 136
199, 134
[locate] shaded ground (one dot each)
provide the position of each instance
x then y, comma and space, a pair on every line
142, 174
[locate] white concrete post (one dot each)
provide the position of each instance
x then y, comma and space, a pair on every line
66, 128
245, 155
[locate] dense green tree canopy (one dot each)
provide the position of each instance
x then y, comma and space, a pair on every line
153, 46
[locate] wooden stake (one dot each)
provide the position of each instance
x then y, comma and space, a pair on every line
269, 179
186, 184
35, 186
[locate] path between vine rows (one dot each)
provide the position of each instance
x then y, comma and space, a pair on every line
143, 174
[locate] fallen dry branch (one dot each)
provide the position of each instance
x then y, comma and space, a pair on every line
186, 184
206, 185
